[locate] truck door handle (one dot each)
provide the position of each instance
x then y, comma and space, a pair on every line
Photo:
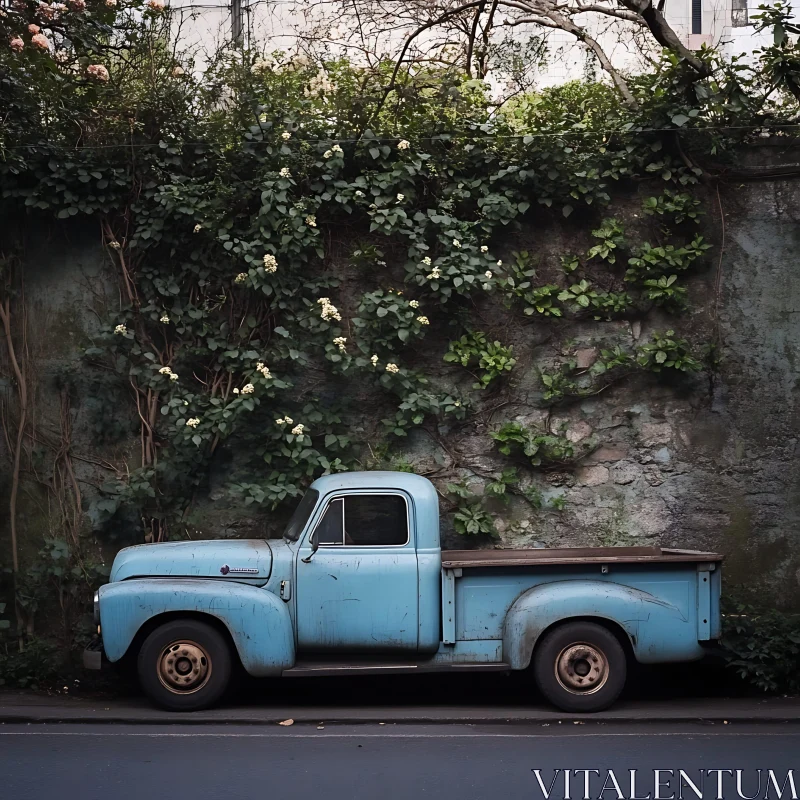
286, 590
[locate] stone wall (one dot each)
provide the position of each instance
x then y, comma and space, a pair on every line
702, 463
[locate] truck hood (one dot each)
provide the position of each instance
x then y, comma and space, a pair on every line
243, 559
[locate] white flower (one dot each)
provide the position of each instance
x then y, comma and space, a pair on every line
499, 263
403, 144
434, 274
270, 263
456, 243
457, 404
484, 248
260, 65
338, 150
393, 368
298, 429
177, 72
236, 391
285, 172
173, 377
374, 360
193, 422
487, 286
111, 3
120, 330
340, 342
284, 421
197, 228
248, 388
311, 221
423, 321
240, 278
327, 154
328, 310
164, 319
263, 369
414, 303
400, 198
488, 274
359, 193
427, 261
286, 136
165, 371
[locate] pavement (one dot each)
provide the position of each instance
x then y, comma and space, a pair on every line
396, 762
263, 708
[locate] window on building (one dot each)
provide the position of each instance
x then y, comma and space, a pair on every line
697, 16
739, 17
364, 520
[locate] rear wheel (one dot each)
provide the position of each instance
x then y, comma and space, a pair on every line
185, 665
580, 666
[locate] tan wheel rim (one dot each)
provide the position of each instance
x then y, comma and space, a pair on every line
582, 668
184, 667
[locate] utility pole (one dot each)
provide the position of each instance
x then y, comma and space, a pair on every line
237, 27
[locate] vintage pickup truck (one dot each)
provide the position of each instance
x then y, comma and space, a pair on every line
360, 585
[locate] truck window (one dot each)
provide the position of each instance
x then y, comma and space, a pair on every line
364, 520
375, 519
330, 531
301, 515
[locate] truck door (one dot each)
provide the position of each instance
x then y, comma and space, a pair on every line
359, 590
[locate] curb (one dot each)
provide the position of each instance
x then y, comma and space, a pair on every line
32, 718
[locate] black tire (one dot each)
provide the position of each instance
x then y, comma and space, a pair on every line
185, 665
580, 666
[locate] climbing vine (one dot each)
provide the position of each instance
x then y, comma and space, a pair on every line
292, 244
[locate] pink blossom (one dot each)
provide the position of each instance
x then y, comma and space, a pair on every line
98, 72
33, 29
45, 11
77, 5
17, 44
40, 40
155, 5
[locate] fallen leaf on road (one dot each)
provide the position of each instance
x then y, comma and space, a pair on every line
287, 722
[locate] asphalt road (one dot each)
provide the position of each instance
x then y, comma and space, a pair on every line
381, 762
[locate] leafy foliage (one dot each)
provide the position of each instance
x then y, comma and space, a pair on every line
540, 448
762, 646
491, 358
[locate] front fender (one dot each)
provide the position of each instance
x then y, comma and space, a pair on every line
258, 621
658, 631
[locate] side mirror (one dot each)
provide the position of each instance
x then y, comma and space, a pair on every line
314, 548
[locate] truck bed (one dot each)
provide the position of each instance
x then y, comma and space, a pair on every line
465, 559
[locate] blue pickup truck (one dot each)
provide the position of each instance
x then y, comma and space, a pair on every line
359, 585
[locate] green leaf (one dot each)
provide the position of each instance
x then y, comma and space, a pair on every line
567, 210
680, 120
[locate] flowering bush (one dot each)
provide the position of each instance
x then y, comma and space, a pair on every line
307, 248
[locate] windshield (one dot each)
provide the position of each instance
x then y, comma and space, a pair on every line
301, 515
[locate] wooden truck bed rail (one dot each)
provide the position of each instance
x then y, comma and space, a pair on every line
452, 559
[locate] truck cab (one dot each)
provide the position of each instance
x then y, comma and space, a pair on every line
359, 584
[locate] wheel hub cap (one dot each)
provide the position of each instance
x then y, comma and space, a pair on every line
184, 667
582, 668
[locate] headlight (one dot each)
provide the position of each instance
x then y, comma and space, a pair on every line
97, 608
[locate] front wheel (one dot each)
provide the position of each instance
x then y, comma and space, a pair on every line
580, 666
184, 665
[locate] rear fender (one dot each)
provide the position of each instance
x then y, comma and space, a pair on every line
258, 621
657, 630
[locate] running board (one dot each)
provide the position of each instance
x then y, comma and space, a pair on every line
304, 669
